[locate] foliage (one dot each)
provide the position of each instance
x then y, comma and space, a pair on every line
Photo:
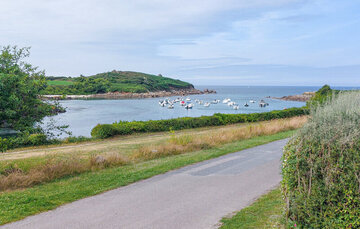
125, 128
115, 81
37, 139
20, 85
322, 95
321, 166
59, 82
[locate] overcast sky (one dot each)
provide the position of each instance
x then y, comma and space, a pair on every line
205, 42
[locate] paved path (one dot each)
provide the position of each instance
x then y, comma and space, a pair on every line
196, 196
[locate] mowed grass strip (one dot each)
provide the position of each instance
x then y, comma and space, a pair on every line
266, 212
15, 205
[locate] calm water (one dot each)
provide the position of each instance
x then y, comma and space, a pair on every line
83, 115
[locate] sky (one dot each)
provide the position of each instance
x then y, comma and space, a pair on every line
205, 42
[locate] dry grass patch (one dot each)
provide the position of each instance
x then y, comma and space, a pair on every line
54, 168
188, 143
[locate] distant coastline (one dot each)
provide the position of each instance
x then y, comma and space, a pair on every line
306, 96
129, 95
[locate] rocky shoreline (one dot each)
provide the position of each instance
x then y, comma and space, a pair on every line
128, 95
306, 96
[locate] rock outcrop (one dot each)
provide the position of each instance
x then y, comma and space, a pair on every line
306, 96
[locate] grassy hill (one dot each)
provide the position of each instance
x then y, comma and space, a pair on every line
115, 81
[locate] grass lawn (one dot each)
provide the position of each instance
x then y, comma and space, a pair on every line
59, 82
266, 212
15, 205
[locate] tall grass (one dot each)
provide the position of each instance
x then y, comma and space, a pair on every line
321, 166
61, 166
187, 143
53, 168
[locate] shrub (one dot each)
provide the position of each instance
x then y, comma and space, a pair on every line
103, 131
125, 128
4, 144
321, 167
37, 139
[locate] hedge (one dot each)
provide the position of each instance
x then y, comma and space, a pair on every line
321, 167
126, 128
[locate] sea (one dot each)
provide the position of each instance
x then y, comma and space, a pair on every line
82, 115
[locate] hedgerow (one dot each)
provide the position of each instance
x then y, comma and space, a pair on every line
321, 167
126, 128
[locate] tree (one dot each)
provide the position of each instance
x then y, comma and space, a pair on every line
20, 86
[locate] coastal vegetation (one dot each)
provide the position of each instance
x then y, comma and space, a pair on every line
126, 128
321, 96
20, 106
23, 173
48, 195
103, 131
321, 164
114, 81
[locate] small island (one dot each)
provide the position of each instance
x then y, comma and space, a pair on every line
117, 85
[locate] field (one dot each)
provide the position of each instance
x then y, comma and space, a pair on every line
57, 175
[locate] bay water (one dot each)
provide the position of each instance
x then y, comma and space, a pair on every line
83, 115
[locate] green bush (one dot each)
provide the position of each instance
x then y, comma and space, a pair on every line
125, 128
37, 139
103, 131
321, 167
4, 144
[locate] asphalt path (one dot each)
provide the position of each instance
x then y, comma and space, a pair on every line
196, 196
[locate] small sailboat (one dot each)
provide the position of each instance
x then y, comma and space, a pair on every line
171, 106
246, 105
236, 107
206, 104
252, 101
182, 103
188, 99
189, 106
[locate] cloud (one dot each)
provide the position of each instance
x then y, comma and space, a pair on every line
176, 37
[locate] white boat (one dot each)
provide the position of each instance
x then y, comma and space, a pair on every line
263, 103
236, 107
189, 106
171, 106
226, 100
252, 101
188, 99
231, 103
206, 104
